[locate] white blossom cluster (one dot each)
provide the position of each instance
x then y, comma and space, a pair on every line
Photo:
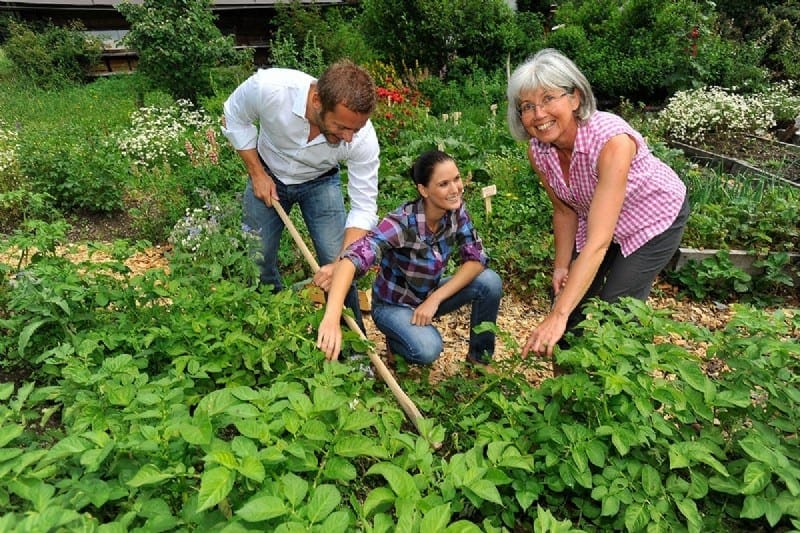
9, 144
157, 134
691, 115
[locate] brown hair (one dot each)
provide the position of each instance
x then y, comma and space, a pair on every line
346, 83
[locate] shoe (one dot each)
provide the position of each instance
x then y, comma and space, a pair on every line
483, 365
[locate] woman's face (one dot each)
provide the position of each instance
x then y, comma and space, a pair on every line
549, 115
445, 189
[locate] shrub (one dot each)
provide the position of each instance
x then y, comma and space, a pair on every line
433, 34
178, 45
79, 169
54, 56
647, 49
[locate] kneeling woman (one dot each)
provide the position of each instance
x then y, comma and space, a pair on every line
413, 245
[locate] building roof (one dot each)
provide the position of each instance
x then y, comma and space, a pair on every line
107, 4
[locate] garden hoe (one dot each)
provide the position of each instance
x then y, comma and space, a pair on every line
405, 402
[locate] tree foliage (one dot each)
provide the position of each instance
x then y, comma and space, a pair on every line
178, 44
438, 34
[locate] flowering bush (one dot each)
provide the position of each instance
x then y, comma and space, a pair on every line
163, 135
692, 115
9, 166
211, 240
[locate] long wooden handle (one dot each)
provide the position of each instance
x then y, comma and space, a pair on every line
405, 402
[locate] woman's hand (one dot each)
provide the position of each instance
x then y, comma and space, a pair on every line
546, 335
424, 313
560, 276
329, 337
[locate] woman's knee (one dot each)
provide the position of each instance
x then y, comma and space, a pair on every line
491, 286
421, 350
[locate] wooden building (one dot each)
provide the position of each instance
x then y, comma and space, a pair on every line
246, 20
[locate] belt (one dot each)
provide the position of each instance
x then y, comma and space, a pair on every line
325, 174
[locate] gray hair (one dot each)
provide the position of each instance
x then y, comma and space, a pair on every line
547, 69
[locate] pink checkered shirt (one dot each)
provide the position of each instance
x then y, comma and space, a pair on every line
654, 193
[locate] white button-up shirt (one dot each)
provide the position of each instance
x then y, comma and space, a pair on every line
276, 99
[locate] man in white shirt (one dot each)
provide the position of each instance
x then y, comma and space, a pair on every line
305, 128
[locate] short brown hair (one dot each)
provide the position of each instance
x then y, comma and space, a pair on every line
346, 83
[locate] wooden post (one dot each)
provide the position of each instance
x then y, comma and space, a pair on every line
487, 193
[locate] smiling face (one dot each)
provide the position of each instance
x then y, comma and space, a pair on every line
549, 116
444, 191
338, 125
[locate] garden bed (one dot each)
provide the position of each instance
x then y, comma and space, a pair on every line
739, 153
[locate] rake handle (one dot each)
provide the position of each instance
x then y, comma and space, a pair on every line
405, 402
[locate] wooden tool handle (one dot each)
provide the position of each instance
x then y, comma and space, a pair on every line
405, 402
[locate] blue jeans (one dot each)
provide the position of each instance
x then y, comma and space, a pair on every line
423, 344
322, 206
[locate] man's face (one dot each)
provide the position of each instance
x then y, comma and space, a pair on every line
340, 124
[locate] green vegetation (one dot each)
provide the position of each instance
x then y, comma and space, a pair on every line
188, 399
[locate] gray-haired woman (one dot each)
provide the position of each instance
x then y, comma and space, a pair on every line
618, 211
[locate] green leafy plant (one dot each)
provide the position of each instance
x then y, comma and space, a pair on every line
52, 56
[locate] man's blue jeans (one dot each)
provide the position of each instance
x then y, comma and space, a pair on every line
322, 206
423, 344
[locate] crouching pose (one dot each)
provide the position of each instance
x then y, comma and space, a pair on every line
413, 245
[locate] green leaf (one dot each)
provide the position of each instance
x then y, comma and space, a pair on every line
356, 446
222, 458
337, 522
338, 469
326, 399
9, 433
651, 481
149, 474
622, 439
251, 467
610, 506
688, 509
756, 448
754, 507
379, 499
25, 335
399, 480
215, 485
199, 432
636, 517
358, 420
260, 508
756, 477
486, 490
596, 452
6, 390
436, 519
322, 502
295, 488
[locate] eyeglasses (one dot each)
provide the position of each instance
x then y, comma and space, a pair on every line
528, 108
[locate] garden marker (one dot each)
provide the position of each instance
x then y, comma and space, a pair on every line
487, 193
405, 402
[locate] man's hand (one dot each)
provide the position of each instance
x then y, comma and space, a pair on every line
264, 189
324, 276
